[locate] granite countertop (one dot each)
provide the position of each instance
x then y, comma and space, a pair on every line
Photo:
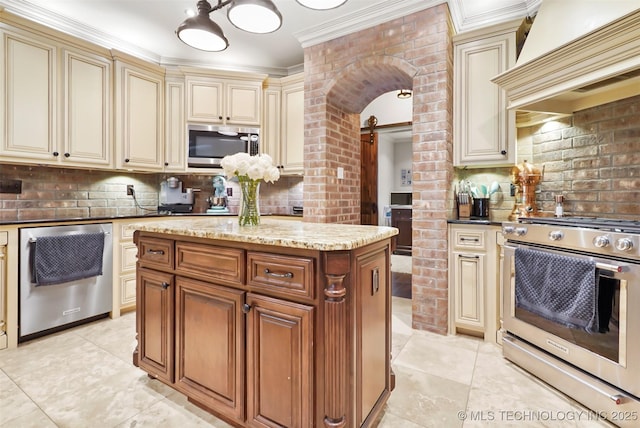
286, 233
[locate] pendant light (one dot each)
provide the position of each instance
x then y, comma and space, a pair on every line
254, 16
321, 4
404, 94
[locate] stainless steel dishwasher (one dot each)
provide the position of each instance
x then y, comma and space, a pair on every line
66, 277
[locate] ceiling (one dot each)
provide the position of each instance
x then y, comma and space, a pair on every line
146, 28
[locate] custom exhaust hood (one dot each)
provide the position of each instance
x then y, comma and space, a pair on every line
578, 54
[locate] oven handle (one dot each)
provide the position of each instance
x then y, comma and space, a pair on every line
599, 265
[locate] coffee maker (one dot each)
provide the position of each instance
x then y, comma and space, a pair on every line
172, 199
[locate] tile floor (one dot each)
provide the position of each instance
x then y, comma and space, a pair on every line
84, 378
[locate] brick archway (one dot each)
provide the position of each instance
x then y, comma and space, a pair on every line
341, 77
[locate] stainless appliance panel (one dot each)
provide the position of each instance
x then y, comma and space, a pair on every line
622, 370
45, 307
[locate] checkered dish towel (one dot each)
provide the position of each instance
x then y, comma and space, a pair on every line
559, 288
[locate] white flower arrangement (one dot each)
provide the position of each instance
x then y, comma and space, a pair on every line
243, 165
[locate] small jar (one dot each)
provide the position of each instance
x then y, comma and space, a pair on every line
559, 208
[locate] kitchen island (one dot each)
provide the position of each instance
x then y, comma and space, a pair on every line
283, 324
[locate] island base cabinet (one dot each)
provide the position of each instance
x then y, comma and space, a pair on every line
373, 347
155, 324
267, 337
279, 363
210, 340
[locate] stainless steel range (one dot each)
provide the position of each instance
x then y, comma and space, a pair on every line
571, 312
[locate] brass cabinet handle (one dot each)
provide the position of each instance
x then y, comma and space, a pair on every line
278, 275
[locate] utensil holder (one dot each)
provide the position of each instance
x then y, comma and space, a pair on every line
480, 207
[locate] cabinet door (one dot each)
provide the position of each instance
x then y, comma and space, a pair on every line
279, 363
292, 150
155, 323
210, 358
270, 131
243, 102
373, 340
484, 130
469, 290
28, 94
204, 101
176, 129
3, 289
139, 119
87, 109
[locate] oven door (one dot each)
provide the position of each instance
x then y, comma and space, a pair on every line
610, 354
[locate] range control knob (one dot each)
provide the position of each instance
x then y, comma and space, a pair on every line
624, 244
508, 230
601, 241
521, 231
556, 235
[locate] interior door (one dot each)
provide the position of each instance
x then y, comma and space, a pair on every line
369, 178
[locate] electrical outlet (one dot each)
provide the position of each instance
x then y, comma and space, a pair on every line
130, 189
512, 189
229, 191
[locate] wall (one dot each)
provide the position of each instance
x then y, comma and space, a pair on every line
342, 77
58, 193
592, 158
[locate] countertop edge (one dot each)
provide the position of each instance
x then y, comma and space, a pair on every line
273, 232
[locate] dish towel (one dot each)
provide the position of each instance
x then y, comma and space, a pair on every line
559, 288
66, 258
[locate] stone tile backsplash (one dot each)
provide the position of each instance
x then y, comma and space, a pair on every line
62, 193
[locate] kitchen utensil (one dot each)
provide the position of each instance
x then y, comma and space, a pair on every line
493, 188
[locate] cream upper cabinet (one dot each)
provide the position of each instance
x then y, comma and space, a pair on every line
175, 125
224, 100
57, 102
292, 125
484, 131
270, 129
282, 132
86, 126
139, 114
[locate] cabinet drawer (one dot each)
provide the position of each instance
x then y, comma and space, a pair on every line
281, 274
469, 239
128, 254
156, 252
219, 264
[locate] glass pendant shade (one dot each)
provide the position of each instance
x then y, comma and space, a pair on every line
254, 16
201, 32
321, 4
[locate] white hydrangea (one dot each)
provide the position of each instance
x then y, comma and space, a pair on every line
259, 167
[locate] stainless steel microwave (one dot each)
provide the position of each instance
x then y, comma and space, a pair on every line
208, 144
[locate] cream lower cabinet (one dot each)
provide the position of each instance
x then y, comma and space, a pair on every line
125, 255
473, 280
484, 132
56, 101
139, 114
4, 239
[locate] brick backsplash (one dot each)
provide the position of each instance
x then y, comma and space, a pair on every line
592, 158
62, 193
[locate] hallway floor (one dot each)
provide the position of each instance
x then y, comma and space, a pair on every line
84, 377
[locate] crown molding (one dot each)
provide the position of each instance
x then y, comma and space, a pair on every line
376, 13
74, 28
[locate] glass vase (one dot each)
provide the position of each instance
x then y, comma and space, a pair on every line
249, 214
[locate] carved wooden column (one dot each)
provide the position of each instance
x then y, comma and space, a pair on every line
336, 336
